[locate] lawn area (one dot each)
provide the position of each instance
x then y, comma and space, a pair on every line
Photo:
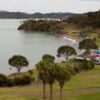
14, 97
83, 86
91, 96
88, 96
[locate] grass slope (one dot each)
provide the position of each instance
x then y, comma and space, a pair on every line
91, 96
13, 97
83, 86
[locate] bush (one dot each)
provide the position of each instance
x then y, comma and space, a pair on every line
10, 82
33, 79
86, 65
3, 80
92, 64
30, 72
63, 62
70, 70
25, 80
17, 81
77, 67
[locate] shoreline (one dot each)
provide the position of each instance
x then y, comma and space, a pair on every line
73, 38
67, 36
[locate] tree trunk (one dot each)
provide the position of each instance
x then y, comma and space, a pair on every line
19, 68
51, 91
44, 90
67, 58
61, 93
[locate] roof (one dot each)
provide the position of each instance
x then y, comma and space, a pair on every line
95, 51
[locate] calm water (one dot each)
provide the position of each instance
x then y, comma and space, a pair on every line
29, 44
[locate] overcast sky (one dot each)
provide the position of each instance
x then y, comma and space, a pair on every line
44, 6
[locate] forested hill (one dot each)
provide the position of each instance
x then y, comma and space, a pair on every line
87, 19
21, 15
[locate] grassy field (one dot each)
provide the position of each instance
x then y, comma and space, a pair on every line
83, 86
14, 97
91, 96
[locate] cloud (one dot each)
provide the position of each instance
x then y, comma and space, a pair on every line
43, 6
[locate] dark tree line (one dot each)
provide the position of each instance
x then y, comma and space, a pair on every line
87, 19
41, 25
22, 15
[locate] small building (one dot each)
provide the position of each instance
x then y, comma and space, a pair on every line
77, 33
97, 60
80, 59
95, 55
95, 51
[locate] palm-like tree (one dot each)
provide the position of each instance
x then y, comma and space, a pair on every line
51, 76
42, 72
62, 77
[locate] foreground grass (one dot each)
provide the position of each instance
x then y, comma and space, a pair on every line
91, 96
88, 96
81, 85
14, 97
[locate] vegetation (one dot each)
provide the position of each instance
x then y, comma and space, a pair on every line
87, 44
30, 72
66, 51
51, 72
81, 86
47, 73
14, 97
41, 25
17, 81
62, 77
42, 68
48, 57
3, 80
10, 82
87, 31
85, 20
21, 15
18, 62
85, 65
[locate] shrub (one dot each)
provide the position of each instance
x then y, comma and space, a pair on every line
86, 65
89, 66
70, 70
17, 81
10, 82
63, 62
77, 67
25, 80
3, 80
33, 79
92, 64
30, 72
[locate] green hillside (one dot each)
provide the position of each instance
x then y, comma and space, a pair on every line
85, 85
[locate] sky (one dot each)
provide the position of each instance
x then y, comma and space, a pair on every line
47, 6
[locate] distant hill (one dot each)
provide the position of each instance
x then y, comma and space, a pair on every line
86, 19
3, 11
22, 15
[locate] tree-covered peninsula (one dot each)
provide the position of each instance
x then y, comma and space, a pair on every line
84, 23
43, 25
